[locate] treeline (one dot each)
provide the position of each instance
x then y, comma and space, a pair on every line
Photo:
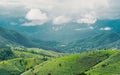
6, 53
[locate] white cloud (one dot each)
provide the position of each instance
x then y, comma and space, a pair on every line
80, 29
106, 28
73, 8
36, 17
56, 28
77, 10
36, 14
91, 27
33, 23
87, 28
61, 20
88, 19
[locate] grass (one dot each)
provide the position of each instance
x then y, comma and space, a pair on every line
24, 60
71, 65
16, 66
35, 61
110, 66
38, 51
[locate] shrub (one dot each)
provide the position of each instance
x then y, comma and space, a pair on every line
6, 53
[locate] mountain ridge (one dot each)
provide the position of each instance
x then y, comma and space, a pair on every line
11, 37
107, 40
80, 64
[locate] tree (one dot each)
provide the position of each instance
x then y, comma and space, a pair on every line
6, 53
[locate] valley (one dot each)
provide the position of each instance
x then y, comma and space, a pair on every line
14, 61
94, 55
59, 37
34, 61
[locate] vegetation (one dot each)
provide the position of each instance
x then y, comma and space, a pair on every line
109, 66
34, 61
108, 40
15, 61
6, 53
11, 37
78, 64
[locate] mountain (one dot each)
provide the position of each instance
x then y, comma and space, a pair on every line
64, 33
103, 62
14, 38
107, 40
103, 40
48, 45
109, 66
35, 61
11, 37
65, 40
16, 60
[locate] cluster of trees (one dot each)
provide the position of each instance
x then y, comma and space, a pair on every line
6, 53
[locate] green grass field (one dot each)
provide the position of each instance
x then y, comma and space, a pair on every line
78, 64
35, 61
110, 66
25, 59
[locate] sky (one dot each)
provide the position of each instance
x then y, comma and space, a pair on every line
60, 12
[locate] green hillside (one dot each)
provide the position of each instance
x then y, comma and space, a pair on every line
11, 37
94, 42
77, 64
110, 66
108, 40
15, 61
6, 53
35, 61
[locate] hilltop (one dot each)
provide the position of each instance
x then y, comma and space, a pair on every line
104, 62
11, 37
14, 61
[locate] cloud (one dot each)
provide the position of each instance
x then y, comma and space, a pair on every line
78, 10
80, 29
106, 28
36, 14
33, 23
87, 28
91, 27
56, 28
36, 17
88, 19
61, 20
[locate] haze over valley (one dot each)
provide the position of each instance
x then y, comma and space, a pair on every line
59, 37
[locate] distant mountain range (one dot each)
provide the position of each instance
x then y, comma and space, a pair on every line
65, 40
107, 40
11, 37
65, 33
